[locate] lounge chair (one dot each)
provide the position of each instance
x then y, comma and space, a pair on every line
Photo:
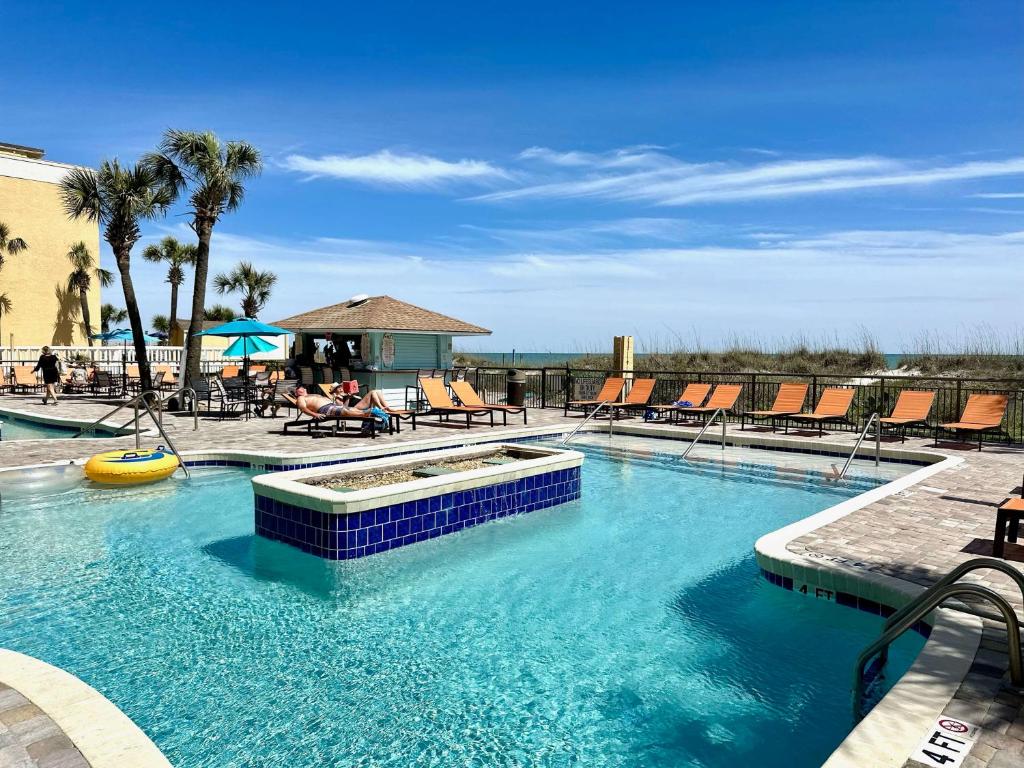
983, 413
6, 385
833, 407
724, 397
440, 404
104, 383
637, 397
692, 393
1009, 516
610, 391
396, 413
331, 423
469, 398
911, 409
789, 401
229, 372
25, 380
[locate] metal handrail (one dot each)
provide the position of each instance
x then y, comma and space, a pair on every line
718, 412
166, 398
104, 417
583, 423
874, 418
164, 435
921, 607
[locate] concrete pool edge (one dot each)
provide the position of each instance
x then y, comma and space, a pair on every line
887, 736
113, 431
99, 730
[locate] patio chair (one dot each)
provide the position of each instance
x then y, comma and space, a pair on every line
610, 391
983, 413
833, 408
789, 401
1008, 519
6, 384
637, 398
229, 372
469, 398
911, 409
104, 383
440, 404
214, 394
692, 393
25, 380
724, 397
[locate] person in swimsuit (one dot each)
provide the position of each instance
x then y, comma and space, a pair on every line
50, 366
320, 407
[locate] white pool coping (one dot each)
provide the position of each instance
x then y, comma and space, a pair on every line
106, 737
289, 488
115, 430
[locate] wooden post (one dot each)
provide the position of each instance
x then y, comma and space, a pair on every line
622, 356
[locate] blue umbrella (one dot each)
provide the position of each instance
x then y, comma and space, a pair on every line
244, 346
247, 328
123, 334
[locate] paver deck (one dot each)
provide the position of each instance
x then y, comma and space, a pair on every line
917, 535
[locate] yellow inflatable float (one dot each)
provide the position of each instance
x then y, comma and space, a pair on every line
131, 467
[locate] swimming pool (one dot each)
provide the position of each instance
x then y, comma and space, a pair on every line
17, 428
630, 628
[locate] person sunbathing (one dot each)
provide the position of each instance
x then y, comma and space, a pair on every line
320, 407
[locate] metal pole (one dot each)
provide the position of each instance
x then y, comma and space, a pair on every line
138, 443
878, 440
723, 430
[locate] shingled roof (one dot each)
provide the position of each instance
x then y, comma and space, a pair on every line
378, 313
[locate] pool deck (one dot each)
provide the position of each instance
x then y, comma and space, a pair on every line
916, 535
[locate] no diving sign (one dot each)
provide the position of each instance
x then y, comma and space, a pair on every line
947, 744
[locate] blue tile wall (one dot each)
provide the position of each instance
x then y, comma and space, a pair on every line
850, 601
346, 537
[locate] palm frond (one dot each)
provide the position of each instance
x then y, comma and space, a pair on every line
106, 277
6, 305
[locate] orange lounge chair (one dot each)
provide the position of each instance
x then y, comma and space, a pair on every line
229, 372
789, 401
833, 406
692, 393
1009, 516
441, 405
724, 397
5, 383
25, 380
637, 396
912, 408
469, 398
983, 413
609, 393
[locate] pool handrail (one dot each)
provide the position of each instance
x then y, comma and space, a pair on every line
592, 414
872, 419
707, 424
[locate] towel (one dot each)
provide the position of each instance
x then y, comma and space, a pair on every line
684, 404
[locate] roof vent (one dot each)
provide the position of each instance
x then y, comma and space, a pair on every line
359, 298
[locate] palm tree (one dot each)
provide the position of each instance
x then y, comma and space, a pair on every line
160, 324
177, 256
254, 286
80, 280
109, 314
215, 173
6, 305
219, 312
119, 197
10, 246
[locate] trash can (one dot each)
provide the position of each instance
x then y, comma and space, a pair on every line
515, 387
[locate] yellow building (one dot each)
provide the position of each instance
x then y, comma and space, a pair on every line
35, 280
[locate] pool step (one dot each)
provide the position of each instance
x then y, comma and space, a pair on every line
500, 460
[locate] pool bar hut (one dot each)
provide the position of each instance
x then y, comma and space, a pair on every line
381, 342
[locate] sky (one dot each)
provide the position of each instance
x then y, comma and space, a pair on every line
686, 172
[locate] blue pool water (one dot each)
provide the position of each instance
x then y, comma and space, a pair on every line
630, 628
12, 428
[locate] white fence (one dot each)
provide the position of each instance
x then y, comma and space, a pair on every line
113, 354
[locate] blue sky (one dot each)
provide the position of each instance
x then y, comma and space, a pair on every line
564, 174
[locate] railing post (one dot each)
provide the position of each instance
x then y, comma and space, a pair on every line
138, 442
543, 388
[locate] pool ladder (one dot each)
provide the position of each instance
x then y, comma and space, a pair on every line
933, 597
707, 424
158, 420
592, 414
874, 418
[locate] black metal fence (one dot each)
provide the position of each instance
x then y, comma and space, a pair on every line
551, 387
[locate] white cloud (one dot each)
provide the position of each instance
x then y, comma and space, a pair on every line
673, 183
1000, 195
389, 169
